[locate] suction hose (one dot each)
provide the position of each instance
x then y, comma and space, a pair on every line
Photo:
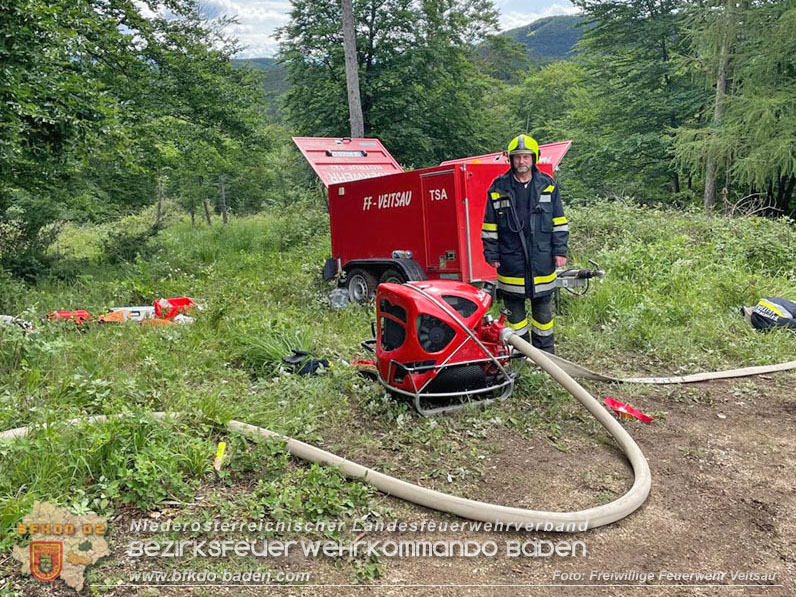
466, 508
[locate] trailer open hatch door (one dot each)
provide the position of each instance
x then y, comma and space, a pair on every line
550, 156
337, 160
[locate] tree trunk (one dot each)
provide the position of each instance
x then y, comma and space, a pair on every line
207, 211
352, 71
784, 193
711, 168
712, 165
193, 216
159, 212
223, 201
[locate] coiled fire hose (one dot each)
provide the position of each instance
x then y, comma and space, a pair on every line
460, 506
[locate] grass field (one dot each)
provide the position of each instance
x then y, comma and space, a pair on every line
669, 304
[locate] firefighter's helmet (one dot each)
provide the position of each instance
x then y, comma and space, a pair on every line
523, 144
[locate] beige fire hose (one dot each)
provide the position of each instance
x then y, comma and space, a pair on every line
576, 370
466, 508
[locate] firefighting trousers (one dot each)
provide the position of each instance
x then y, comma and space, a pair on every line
538, 330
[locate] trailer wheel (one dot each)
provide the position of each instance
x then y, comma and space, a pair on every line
361, 285
392, 276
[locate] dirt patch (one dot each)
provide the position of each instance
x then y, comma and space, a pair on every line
722, 499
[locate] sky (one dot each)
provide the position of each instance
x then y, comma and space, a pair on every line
259, 18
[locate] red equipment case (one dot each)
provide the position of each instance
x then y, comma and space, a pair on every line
394, 227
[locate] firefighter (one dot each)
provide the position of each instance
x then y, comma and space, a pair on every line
525, 237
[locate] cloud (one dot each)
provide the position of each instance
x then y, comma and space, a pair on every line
510, 19
257, 22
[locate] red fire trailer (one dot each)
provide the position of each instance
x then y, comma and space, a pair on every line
393, 226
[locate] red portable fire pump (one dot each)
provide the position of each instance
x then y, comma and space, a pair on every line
436, 344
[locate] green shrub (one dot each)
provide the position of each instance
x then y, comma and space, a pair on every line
134, 459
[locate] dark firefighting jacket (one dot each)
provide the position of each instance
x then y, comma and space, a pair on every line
773, 312
527, 269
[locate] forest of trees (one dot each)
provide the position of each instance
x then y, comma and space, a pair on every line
108, 106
